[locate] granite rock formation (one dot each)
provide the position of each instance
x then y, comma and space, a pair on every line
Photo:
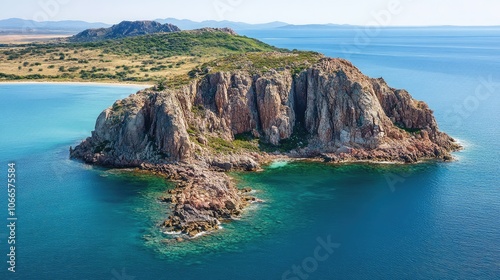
122, 30
336, 112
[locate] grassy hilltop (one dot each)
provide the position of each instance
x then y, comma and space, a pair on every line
176, 57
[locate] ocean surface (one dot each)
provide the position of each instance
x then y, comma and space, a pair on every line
352, 221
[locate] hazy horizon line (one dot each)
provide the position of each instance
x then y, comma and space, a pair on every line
261, 23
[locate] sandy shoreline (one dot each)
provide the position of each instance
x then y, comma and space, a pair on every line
76, 83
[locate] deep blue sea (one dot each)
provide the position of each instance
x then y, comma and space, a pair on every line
352, 221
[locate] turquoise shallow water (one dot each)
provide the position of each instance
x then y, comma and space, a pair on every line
426, 221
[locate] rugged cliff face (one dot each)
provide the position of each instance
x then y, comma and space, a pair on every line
329, 110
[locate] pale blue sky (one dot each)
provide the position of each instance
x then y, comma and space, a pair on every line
358, 12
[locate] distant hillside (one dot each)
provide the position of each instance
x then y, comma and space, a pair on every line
17, 25
124, 29
186, 24
174, 56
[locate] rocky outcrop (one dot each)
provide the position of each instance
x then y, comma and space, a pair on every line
331, 110
348, 113
122, 30
275, 99
142, 128
201, 200
238, 103
211, 29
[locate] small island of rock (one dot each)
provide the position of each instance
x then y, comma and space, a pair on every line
243, 110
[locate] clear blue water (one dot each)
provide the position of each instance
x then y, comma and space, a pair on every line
425, 221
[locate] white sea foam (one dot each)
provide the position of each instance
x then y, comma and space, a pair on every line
173, 232
200, 234
278, 164
464, 143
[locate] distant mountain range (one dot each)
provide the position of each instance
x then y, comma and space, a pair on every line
186, 24
16, 25
124, 29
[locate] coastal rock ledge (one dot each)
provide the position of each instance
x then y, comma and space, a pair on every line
237, 120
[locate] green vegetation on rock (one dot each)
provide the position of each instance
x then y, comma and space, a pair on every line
187, 43
259, 62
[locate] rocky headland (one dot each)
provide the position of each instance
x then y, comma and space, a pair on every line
243, 111
122, 30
